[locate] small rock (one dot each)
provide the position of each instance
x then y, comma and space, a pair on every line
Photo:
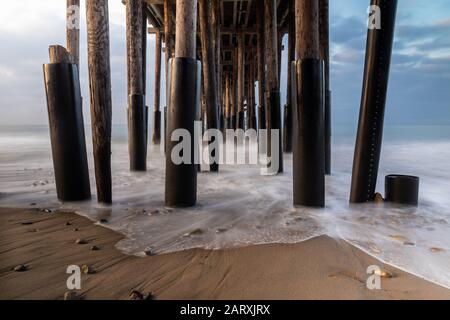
33, 204
87, 269
378, 199
384, 274
75, 229
27, 223
80, 241
68, 223
72, 295
437, 250
149, 253
103, 221
195, 232
136, 295
405, 241
221, 230
47, 210
21, 268
149, 296
94, 248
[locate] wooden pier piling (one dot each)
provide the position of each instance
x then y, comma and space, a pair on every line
288, 127
240, 80
181, 178
136, 100
261, 66
324, 42
73, 30
157, 92
272, 81
100, 94
206, 11
308, 140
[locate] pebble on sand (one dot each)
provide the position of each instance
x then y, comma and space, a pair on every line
437, 250
405, 241
21, 268
384, 274
136, 295
87, 269
72, 295
80, 241
68, 223
27, 223
195, 232
94, 248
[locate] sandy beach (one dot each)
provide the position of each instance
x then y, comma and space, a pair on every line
320, 268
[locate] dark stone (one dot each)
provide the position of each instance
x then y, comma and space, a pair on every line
21, 268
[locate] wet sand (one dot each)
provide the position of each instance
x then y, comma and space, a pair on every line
321, 268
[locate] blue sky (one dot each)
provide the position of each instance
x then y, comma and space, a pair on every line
419, 90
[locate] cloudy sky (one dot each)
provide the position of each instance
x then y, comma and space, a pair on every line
419, 91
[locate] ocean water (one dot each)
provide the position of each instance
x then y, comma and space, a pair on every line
239, 207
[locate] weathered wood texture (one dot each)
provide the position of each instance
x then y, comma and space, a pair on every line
215, 24
168, 33
271, 44
291, 53
324, 39
261, 63
227, 95
251, 89
134, 19
73, 30
307, 28
157, 93
59, 54
186, 25
234, 108
280, 55
144, 49
100, 93
240, 73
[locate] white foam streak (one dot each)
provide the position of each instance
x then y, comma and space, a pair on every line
239, 207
